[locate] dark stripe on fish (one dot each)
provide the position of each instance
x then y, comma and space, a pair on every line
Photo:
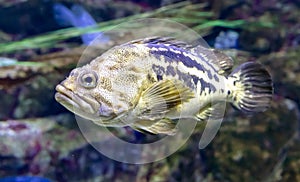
170, 70
216, 77
191, 80
171, 56
174, 56
186, 78
159, 70
204, 84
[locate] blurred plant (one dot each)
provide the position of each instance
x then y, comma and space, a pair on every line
184, 12
78, 17
8, 3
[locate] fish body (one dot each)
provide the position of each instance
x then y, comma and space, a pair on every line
149, 84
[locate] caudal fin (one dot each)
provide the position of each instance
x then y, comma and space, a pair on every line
252, 87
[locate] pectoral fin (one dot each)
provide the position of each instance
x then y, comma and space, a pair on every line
160, 98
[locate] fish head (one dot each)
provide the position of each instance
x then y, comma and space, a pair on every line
87, 93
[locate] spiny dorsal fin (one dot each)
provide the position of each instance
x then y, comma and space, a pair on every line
222, 62
162, 40
160, 98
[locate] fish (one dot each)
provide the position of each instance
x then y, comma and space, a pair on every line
150, 84
78, 17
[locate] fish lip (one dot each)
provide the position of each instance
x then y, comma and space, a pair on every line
65, 97
74, 102
66, 101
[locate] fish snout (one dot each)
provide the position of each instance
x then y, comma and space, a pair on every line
67, 84
62, 93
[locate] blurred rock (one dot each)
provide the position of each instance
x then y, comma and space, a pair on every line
291, 166
13, 73
284, 68
272, 24
29, 146
30, 98
260, 41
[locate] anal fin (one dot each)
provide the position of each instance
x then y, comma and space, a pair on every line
142, 130
163, 126
204, 113
213, 114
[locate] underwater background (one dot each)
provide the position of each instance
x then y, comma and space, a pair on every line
42, 40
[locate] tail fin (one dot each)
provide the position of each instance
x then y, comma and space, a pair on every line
252, 87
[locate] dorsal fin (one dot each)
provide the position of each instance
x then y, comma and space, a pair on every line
162, 40
221, 61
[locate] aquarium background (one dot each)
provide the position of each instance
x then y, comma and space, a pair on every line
42, 40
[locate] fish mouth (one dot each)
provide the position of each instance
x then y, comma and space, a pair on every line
82, 106
79, 104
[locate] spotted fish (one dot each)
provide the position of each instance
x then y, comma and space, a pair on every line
149, 84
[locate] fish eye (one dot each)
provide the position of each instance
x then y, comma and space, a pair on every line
88, 79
